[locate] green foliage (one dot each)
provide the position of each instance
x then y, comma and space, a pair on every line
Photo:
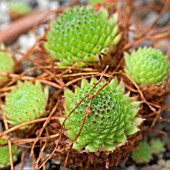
157, 146
112, 116
26, 102
143, 154
95, 1
80, 34
7, 65
4, 154
145, 151
19, 8
147, 66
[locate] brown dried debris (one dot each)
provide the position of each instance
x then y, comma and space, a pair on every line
80, 160
48, 134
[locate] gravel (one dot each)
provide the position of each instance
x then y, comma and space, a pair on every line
30, 39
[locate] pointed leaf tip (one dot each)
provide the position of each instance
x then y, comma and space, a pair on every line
68, 93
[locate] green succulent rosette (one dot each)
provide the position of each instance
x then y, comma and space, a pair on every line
143, 154
80, 34
4, 154
25, 103
111, 120
7, 65
19, 8
95, 1
157, 146
147, 66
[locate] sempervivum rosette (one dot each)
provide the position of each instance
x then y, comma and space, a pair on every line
7, 65
4, 154
143, 154
111, 118
25, 103
95, 1
149, 68
80, 34
18, 9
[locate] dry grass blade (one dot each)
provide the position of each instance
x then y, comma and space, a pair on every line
41, 130
9, 144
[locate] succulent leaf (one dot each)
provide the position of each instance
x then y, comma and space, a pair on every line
7, 65
25, 103
157, 146
19, 8
79, 34
111, 120
4, 154
95, 1
147, 66
143, 154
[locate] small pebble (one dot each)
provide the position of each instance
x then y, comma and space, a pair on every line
133, 167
